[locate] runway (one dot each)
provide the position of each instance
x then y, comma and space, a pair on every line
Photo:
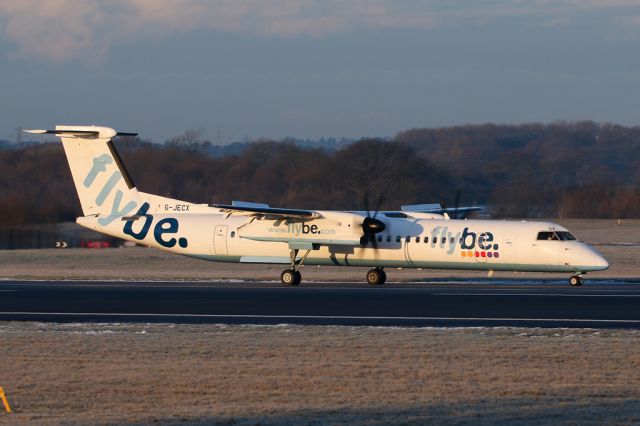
441, 304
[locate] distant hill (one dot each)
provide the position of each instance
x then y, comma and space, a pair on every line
235, 148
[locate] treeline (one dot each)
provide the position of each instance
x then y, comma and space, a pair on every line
581, 169
37, 185
559, 170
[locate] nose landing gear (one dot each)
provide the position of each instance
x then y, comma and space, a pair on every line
575, 281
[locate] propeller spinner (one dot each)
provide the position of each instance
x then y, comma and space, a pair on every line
370, 225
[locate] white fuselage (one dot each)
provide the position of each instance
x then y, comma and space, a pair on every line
410, 242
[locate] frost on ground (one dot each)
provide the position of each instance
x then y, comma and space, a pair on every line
201, 374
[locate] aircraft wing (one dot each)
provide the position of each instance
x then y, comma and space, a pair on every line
266, 210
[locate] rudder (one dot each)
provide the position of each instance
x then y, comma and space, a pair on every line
103, 185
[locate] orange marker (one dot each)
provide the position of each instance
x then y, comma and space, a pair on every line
4, 400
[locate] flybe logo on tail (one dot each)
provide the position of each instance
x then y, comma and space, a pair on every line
99, 166
162, 230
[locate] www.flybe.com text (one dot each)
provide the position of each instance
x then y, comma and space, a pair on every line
301, 229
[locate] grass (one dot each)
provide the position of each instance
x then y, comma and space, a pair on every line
125, 373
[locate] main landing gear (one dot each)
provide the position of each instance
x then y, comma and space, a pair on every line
293, 276
376, 276
575, 281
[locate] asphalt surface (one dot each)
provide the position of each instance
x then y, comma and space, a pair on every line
451, 304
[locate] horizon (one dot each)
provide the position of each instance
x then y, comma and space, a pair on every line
47, 138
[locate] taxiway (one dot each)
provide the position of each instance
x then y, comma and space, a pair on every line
547, 304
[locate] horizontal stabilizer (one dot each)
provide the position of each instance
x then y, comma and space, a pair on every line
91, 132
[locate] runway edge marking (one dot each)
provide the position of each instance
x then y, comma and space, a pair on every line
334, 317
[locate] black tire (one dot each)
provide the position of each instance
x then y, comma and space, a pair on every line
575, 281
290, 277
383, 277
375, 277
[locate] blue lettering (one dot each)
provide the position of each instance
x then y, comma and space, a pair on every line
484, 241
99, 166
165, 226
142, 212
115, 213
115, 177
465, 244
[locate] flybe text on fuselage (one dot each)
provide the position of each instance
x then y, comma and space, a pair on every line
162, 230
468, 241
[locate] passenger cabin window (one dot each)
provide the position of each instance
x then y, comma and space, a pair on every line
426, 240
388, 238
233, 234
379, 238
417, 239
408, 239
555, 236
398, 238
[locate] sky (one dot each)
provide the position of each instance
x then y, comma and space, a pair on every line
247, 69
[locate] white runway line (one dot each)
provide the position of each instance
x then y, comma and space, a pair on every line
332, 317
537, 294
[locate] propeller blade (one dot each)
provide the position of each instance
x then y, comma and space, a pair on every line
378, 205
365, 203
370, 225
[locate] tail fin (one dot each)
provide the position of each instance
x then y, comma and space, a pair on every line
103, 184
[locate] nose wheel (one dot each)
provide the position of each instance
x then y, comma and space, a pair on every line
575, 281
376, 276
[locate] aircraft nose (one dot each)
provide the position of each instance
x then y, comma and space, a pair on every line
594, 260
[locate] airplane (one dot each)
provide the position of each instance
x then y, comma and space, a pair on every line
417, 236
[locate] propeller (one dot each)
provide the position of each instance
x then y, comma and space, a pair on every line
370, 225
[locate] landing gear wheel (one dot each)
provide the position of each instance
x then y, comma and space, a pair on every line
575, 281
290, 277
376, 276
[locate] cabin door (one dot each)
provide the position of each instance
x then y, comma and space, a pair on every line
220, 240
508, 250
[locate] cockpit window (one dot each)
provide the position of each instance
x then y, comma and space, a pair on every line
555, 236
565, 236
